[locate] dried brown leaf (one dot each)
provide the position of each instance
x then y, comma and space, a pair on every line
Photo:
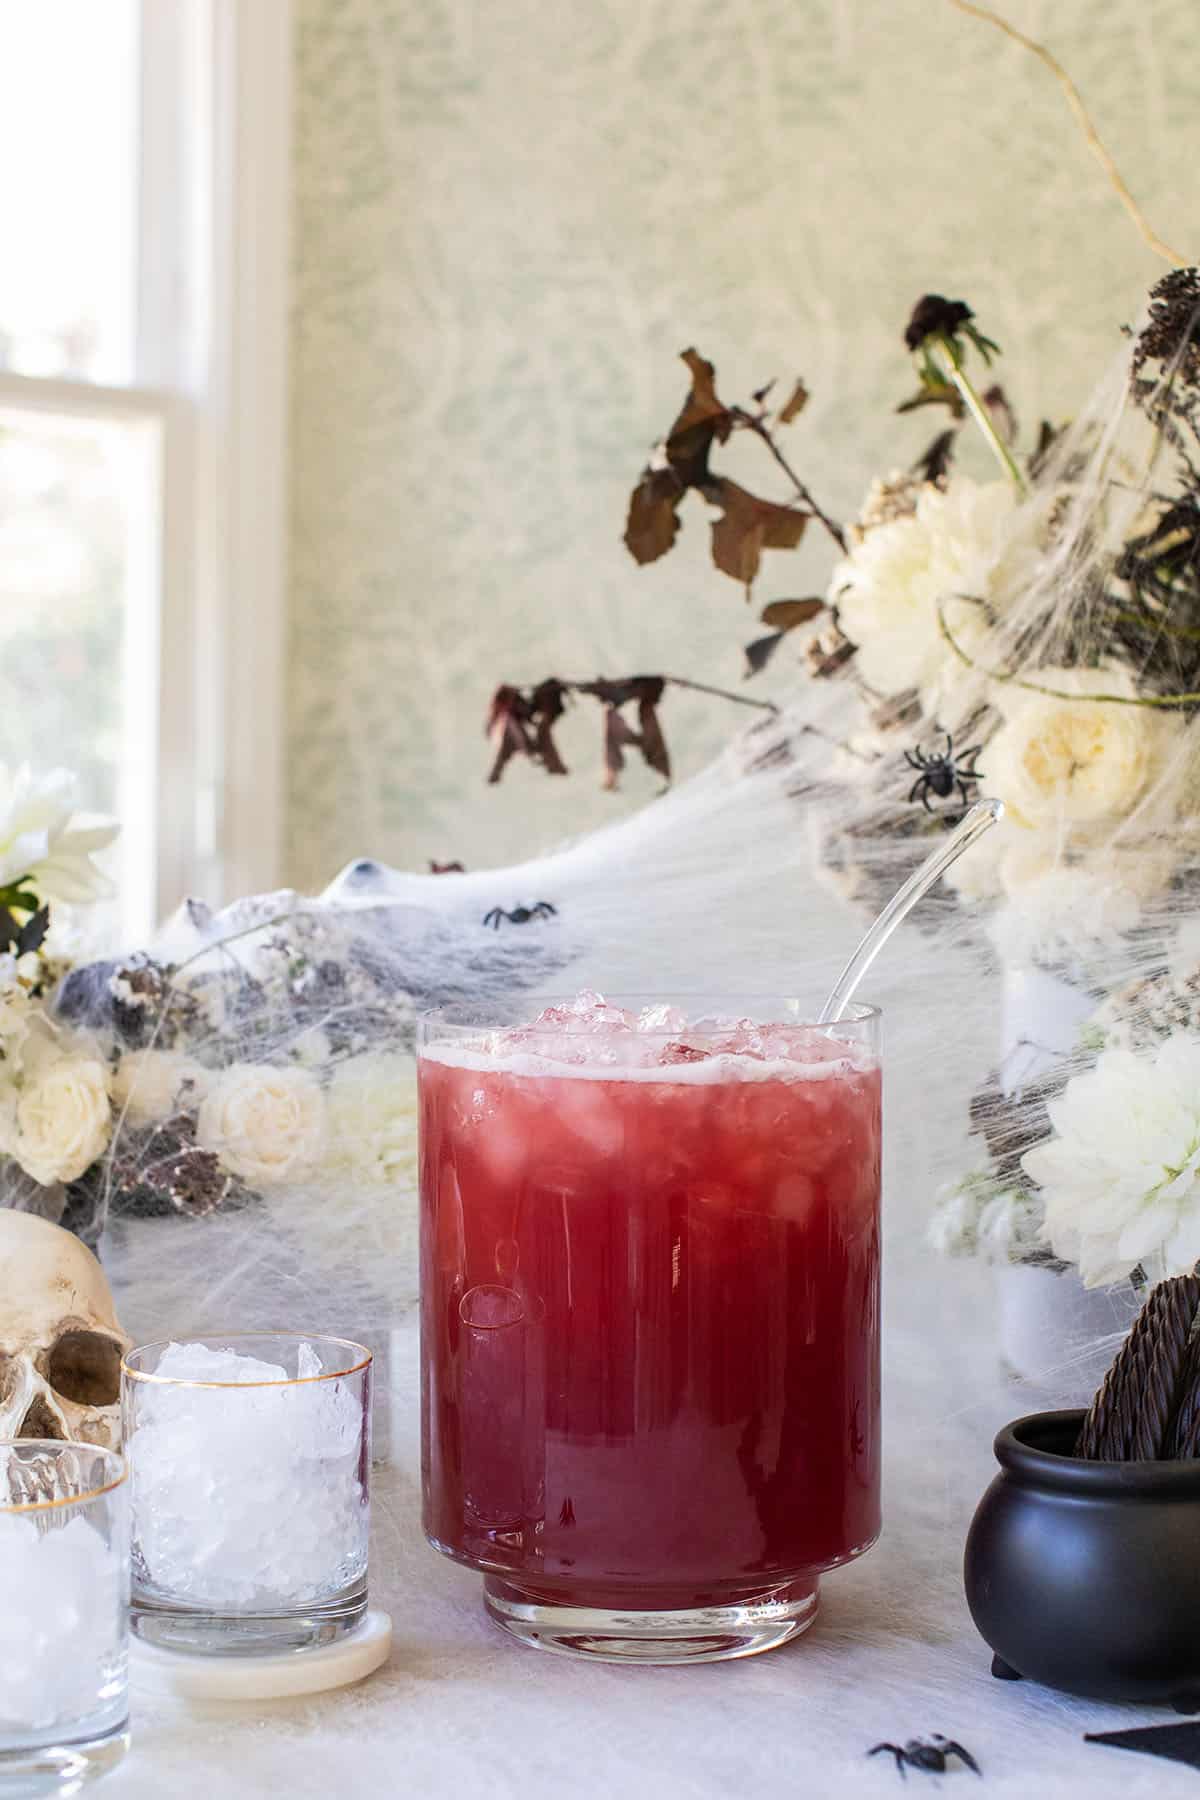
547, 703
511, 742
944, 394
934, 461
652, 524
794, 405
506, 729
747, 527
1048, 436
654, 744
759, 653
703, 418
618, 733
785, 615
1000, 410
500, 706
619, 692
546, 750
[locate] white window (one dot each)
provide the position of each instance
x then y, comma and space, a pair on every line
143, 306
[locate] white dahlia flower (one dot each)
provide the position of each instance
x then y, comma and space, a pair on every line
969, 548
1120, 1178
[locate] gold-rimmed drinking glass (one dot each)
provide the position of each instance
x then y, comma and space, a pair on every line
251, 1460
64, 1592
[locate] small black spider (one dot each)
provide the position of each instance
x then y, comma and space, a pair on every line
929, 1754
520, 915
940, 775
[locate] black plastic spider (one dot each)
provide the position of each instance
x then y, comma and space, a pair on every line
940, 775
929, 1754
520, 915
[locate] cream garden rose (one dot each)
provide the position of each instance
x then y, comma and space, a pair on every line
147, 1084
962, 546
62, 1120
1076, 761
266, 1124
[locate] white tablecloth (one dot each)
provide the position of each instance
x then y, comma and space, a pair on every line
462, 1711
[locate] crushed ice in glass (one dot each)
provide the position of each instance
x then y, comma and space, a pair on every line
62, 1622
590, 1032
249, 1500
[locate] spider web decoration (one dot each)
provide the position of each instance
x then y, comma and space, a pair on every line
1060, 662
709, 888
756, 876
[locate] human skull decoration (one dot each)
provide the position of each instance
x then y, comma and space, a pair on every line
60, 1343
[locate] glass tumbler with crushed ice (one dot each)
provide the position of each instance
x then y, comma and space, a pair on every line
251, 1460
650, 1316
64, 1592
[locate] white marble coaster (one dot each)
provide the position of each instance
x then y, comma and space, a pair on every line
188, 1677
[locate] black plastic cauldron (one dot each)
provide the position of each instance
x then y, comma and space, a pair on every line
1086, 1575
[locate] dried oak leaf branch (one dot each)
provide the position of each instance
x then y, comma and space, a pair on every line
748, 524
521, 721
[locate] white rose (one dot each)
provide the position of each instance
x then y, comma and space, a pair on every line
961, 546
147, 1084
63, 1120
266, 1124
1076, 761
373, 1119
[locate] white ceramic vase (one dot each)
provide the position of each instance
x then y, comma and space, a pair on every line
1053, 1333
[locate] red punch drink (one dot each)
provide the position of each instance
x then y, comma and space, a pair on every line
650, 1320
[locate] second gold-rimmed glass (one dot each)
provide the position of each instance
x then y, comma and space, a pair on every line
64, 1590
251, 1459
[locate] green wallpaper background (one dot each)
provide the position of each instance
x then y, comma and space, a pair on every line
510, 215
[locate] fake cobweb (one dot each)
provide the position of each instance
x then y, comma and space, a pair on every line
753, 878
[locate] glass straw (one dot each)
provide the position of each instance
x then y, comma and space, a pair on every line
982, 816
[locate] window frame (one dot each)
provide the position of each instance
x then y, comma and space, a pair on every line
211, 379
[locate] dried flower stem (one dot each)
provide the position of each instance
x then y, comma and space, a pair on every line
1161, 702
683, 681
955, 372
703, 687
1083, 119
750, 422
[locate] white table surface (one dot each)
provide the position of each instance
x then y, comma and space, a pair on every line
461, 1710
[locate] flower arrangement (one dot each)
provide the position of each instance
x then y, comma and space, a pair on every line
162, 1084
1037, 637
1083, 699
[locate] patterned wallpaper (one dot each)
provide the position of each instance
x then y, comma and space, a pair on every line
510, 215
